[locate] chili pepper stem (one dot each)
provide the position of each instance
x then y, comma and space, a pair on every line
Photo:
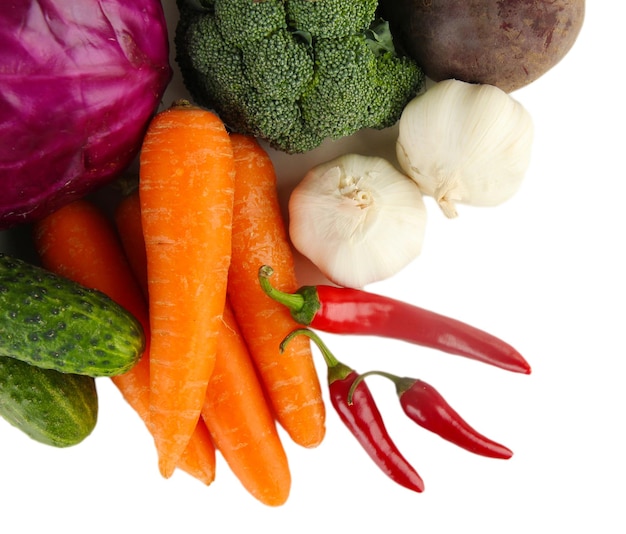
401, 383
303, 304
336, 369
329, 357
293, 301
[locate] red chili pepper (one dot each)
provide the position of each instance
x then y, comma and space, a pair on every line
426, 406
342, 310
362, 417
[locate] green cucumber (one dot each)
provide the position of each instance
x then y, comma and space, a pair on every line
58, 409
52, 322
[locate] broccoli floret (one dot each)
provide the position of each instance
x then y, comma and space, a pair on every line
294, 72
278, 66
331, 18
394, 76
338, 102
244, 22
202, 35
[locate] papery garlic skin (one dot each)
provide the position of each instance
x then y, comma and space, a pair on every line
358, 219
466, 143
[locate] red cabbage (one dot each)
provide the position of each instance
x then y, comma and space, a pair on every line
79, 81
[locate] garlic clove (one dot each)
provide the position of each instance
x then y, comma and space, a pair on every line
357, 218
465, 143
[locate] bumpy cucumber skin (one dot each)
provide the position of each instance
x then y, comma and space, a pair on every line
52, 322
57, 409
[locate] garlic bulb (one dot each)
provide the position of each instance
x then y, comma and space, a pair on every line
465, 143
357, 218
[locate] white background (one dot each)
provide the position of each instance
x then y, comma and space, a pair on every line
545, 271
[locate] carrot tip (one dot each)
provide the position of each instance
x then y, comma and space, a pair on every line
205, 478
166, 468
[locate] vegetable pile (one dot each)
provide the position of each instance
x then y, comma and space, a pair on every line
183, 290
208, 378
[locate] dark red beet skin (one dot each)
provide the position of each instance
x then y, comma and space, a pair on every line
506, 43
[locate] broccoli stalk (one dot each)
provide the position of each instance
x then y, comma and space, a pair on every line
294, 72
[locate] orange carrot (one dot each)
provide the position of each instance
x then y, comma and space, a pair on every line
240, 421
199, 456
235, 408
127, 218
260, 237
79, 242
186, 188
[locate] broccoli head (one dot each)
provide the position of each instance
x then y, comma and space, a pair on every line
294, 72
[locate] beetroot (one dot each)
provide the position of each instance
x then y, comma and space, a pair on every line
78, 83
506, 43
